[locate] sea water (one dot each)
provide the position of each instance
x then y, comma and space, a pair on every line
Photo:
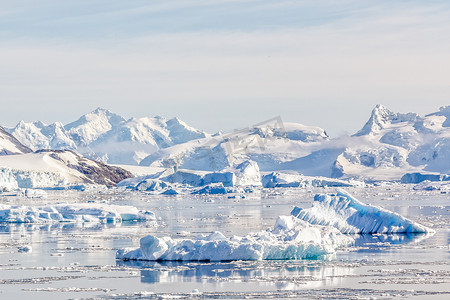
67, 261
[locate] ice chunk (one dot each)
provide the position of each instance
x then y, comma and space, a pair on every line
151, 185
35, 193
349, 215
25, 249
213, 188
247, 174
170, 192
77, 212
290, 238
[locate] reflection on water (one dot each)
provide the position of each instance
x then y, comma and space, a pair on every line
283, 274
388, 240
65, 226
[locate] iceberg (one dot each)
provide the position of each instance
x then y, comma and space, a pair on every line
420, 177
290, 238
77, 212
351, 216
288, 180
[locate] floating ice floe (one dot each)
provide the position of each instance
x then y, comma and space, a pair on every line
77, 212
25, 249
290, 238
351, 216
443, 186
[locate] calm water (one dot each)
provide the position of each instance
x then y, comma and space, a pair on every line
69, 261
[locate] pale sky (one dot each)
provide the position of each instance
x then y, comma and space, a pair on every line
223, 64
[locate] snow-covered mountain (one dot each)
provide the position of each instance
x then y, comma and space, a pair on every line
10, 145
49, 168
107, 137
394, 143
91, 126
388, 146
37, 136
270, 145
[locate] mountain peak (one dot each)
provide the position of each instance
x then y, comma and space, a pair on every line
382, 114
104, 113
101, 110
381, 117
21, 123
176, 121
91, 125
99, 115
39, 124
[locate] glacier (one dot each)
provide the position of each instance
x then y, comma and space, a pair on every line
74, 212
12, 179
351, 216
290, 238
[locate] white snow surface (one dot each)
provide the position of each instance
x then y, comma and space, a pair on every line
43, 169
351, 216
74, 212
290, 238
269, 147
38, 135
10, 145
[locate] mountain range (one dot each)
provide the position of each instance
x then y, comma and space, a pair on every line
389, 144
107, 137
